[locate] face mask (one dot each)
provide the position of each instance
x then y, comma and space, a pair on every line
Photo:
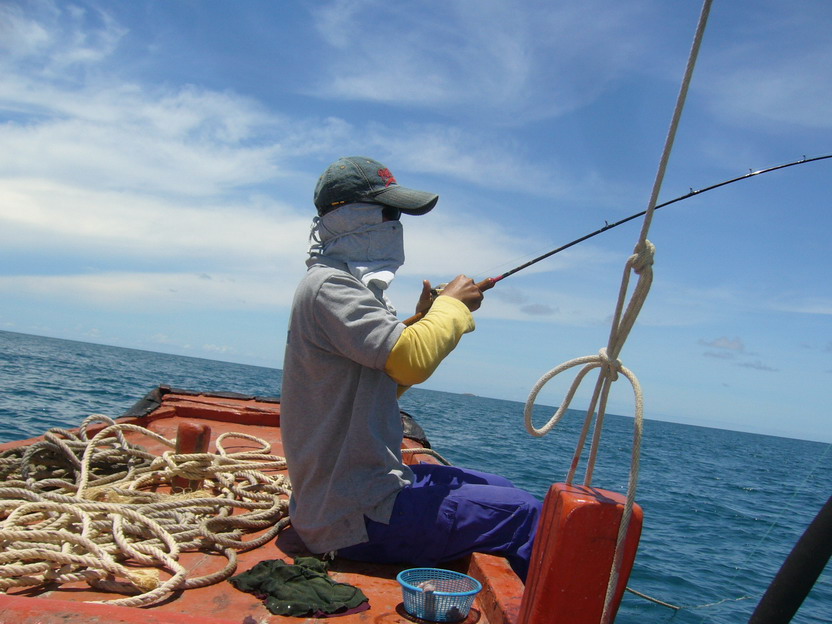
356, 235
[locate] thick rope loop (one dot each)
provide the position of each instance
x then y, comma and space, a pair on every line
589, 362
220, 443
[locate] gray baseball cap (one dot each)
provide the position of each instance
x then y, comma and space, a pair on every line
356, 178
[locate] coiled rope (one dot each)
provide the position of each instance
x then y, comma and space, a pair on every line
79, 509
640, 263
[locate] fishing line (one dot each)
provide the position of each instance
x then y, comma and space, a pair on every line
798, 489
744, 566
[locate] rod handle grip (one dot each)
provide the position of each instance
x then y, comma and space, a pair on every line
486, 284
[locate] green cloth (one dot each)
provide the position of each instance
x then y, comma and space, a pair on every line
301, 589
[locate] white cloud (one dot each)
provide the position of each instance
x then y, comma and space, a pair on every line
130, 171
130, 227
479, 56
758, 365
62, 37
105, 132
154, 292
775, 82
805, 305
189, 142
73, 117
723, 342
19, 35
790, 94
217, 349
484, 248
493, 163
538, 309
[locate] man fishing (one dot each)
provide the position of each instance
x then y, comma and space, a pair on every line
348, 359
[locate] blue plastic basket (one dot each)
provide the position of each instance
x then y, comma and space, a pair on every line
438, 595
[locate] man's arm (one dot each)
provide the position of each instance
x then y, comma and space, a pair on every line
423, 345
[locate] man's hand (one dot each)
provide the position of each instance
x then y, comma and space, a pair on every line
425, 299
464, 289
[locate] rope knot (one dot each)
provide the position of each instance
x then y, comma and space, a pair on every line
643, 256
611, 367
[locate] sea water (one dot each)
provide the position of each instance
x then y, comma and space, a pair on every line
722, 509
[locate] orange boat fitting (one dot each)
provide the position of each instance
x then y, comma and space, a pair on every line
573, 556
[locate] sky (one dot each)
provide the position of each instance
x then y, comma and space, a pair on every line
157, 163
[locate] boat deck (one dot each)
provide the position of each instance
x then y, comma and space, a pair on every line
498, 603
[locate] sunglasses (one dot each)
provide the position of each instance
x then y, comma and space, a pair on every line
389, 213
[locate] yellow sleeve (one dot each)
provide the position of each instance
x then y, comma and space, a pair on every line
423, 345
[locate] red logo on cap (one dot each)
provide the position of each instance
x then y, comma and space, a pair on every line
388, 178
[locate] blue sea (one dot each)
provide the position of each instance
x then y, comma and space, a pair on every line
722, 509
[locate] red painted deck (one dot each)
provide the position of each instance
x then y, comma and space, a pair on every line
221, 603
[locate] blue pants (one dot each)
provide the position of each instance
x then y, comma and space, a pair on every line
447, 513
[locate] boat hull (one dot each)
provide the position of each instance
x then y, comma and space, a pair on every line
163, 412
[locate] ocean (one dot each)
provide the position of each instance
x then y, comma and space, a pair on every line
722, 509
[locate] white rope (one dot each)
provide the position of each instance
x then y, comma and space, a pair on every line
640, 263
426, 451
73, 509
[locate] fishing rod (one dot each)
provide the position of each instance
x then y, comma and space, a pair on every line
489, 282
